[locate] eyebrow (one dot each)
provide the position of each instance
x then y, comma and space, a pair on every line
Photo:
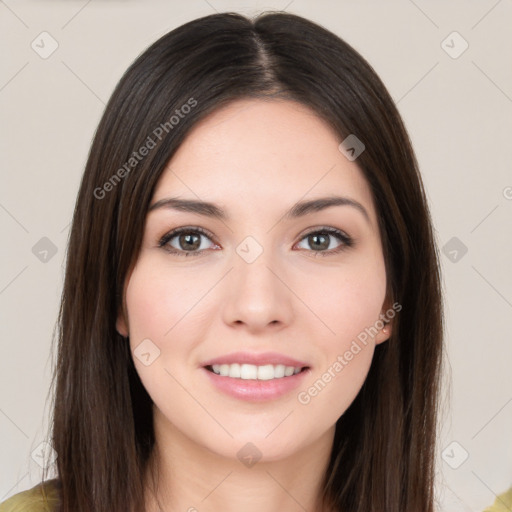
299, 209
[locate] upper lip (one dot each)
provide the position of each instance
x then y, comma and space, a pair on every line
260, 359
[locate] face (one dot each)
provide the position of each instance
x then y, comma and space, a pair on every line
257, 283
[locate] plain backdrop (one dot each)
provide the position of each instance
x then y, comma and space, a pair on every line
447, 64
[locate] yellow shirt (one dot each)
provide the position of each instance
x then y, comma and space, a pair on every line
41, 498
503, 503
34, 500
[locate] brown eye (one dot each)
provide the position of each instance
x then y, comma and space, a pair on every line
184, 241
319, 241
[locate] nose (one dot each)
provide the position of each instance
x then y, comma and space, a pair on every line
257, 294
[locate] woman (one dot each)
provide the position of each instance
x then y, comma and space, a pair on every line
291, 360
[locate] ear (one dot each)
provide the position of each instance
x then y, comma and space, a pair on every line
121, 326
384, 334
387, 329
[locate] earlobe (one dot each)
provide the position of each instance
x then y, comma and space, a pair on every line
384, 334
121, 325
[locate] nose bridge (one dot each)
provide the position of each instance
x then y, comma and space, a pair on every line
253, 261
257, 296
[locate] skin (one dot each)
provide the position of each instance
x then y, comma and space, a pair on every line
255, 159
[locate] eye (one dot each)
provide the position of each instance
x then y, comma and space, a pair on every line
320, 240
188, 241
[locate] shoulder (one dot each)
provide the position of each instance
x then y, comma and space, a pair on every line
44, 497
503, 503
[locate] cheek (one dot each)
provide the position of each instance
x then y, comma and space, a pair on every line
349, 301
349, 305
160, 309
161, 302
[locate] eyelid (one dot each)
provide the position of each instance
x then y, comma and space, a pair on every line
328, 229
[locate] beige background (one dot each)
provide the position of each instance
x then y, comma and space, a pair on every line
459, 115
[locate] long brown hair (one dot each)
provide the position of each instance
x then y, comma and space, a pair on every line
102, 426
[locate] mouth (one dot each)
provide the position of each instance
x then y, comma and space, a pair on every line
255, 372
256, 383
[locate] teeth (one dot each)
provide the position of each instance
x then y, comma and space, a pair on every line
251, 371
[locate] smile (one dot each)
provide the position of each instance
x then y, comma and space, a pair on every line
254, 372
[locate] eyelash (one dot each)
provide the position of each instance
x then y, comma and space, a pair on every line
347, 241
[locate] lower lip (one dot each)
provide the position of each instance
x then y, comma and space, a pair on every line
254, 390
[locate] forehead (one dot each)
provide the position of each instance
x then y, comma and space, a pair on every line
255, 153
